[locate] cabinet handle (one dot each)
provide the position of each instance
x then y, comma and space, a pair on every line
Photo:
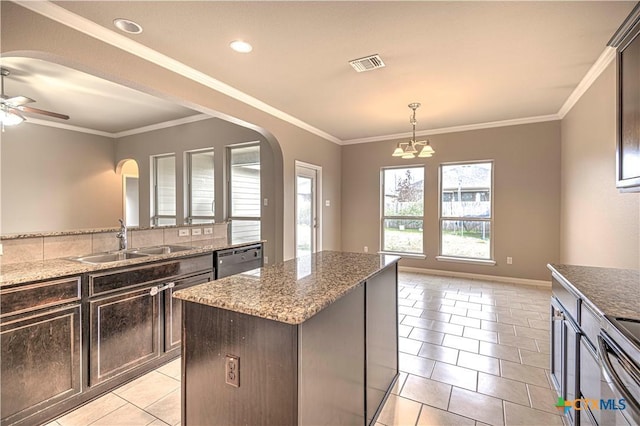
156, 290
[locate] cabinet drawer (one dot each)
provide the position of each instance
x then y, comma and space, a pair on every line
121, 279
569, 301
590, 324
40, 295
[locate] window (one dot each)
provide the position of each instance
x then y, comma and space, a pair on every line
244, 193
403, 209
465, 210
201, 188
164, 190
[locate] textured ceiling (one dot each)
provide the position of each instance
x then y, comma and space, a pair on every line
466, 62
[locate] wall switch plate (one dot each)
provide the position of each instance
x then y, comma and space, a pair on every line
366, 249
232, 370
196, 231
183, 232
208, 231
1, 250
509, 260
327, 203
266, 260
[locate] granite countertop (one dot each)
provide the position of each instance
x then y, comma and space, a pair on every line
19, 273
293, 291
609, 291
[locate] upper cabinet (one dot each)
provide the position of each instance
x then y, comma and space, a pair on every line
627, 44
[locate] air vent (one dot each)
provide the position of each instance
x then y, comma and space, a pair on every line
367, 63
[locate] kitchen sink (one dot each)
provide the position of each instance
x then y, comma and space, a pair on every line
116, 256
108, 257
166, 249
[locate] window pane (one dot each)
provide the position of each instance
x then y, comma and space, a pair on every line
402, 235
243, 231
202, 185
404, 192
164, 221
466, 190
165, 186
466, 238
245, 181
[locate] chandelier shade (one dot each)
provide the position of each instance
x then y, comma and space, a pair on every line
409, 149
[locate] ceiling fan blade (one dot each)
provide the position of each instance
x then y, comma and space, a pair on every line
41, 111
17, 101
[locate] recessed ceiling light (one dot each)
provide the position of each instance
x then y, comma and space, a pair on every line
127, 26
241, 46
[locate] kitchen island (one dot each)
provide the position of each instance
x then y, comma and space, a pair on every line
308, 341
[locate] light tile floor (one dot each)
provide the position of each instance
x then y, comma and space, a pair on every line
472, 353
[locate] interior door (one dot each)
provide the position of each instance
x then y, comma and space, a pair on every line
306, 210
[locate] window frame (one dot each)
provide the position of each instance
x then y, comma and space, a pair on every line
189, 217
229, 195
422, 253
490, 220
155, 217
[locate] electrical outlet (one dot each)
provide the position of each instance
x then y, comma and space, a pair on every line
196, 231
266, 260
366, 249
327, 203
266, 202
509, 260
208, 231
183, 232
232, 370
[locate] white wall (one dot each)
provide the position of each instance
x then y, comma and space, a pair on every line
54, 179
600, 226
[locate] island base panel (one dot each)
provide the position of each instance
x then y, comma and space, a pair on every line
267, 352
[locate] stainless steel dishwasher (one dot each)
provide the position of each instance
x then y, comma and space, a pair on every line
239, 259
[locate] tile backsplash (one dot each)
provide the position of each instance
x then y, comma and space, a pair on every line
37, 248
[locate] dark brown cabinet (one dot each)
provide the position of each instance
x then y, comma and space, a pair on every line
124, 332
133, 318
41, 347
173, 310
627, 44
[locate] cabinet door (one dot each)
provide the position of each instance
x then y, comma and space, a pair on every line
173, 310
572, 359
381, 338
41, 362
124, 333
557, 345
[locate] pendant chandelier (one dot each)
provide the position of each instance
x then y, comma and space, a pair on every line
410, 149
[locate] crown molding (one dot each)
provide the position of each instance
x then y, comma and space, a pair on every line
453, 129
594, 72
90, 28
144, 129
163, 125
64, 126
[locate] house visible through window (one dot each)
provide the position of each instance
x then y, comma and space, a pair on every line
403, 209
164, 190
244, 192
201, 188
465, 210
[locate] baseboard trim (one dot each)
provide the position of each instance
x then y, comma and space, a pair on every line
512, 280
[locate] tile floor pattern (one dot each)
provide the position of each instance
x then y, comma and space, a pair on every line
472, 353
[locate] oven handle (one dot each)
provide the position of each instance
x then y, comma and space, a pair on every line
607, 345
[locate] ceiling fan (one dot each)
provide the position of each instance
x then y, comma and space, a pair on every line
11, 108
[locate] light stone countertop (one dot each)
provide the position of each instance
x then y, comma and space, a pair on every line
293, 291
20, 273
609, 291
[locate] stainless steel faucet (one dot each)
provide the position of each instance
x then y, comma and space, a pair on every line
122, 235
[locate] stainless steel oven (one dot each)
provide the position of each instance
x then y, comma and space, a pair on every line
619, 353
